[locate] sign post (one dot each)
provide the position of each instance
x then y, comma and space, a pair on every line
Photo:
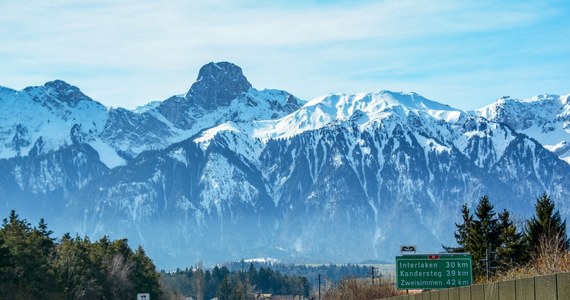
433, 271
143, 296
408, 248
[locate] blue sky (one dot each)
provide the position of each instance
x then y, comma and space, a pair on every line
127, 53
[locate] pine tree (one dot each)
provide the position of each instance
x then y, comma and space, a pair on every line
263, 281
225, 289
145, 277
484, 234
30, 249
486, 223
462, 234
511, 251
34, 266
478, 233
44, 247
5, 263
546, 225
218, 274
251, 273
78, 274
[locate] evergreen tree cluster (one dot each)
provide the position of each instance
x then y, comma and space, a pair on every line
33, 265
330, 272
496, 243
225, 284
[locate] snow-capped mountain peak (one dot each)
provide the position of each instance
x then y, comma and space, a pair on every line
375, 105
217, 85
236, 171
544, 117
47, 113
364, 109
57, 92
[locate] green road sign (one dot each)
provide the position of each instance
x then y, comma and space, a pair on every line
433, 271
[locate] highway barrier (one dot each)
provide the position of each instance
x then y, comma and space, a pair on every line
549, 287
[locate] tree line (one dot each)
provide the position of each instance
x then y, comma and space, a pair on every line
33, 265
329, 272
222, 283
498, 245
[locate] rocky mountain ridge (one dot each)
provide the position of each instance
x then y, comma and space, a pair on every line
545, 118
229, 172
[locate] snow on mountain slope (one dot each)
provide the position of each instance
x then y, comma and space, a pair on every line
149, 128
439, 126
48, 112
253, 105
130, 133
482, 141
235, 172
545, 118
366, 109
221, 93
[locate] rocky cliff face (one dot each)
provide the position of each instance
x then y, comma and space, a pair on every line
230, 172
217, 85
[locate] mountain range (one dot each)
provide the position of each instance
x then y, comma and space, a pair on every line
228, 172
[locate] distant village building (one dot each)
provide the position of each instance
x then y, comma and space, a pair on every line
280, 297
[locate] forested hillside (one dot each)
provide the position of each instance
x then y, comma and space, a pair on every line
34, 265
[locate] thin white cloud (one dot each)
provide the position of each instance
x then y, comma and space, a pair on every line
129, 52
